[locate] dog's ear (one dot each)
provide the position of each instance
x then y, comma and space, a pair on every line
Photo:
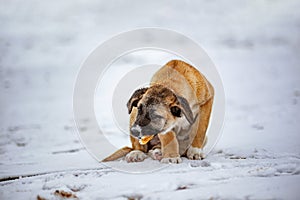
185, 108
135, 98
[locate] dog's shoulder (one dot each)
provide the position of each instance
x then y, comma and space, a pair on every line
201, 86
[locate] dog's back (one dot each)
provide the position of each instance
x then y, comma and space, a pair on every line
191, 84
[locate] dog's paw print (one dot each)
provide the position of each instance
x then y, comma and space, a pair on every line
195, 153
135, 156
155, 154
171, 160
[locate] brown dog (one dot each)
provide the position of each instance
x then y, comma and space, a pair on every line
169, 119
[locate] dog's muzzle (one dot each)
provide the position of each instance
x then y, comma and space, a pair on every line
138, 131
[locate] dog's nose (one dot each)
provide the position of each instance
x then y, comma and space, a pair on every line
135, 131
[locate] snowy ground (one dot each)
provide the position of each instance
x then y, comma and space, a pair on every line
255, 46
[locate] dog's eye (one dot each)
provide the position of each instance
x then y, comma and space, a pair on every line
140, 109
176, 111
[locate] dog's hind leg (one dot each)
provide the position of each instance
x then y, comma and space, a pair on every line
199, 141
118, 154
136, 146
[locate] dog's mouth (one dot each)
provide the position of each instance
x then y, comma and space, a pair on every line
145, 139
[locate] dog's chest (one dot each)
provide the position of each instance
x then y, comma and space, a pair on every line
183, 137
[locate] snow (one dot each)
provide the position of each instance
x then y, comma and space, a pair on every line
255, 47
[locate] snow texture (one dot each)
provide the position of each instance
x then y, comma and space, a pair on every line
256, 47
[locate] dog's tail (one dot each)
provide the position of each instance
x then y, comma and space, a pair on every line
118, 154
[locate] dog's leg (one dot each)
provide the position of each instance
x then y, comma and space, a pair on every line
135, 156
138, 153
155, 153
170, 148
118, 154
195, 150
136, 144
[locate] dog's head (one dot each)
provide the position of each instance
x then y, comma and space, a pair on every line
158, 110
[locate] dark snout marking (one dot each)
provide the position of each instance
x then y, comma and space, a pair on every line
136, 133
143, 118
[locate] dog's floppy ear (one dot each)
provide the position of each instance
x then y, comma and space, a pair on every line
186, 109
135, 98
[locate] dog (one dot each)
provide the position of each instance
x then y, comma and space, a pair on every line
169, 119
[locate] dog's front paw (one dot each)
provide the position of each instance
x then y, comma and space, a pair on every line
155, 154
171, 160
135, 156
195, 153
